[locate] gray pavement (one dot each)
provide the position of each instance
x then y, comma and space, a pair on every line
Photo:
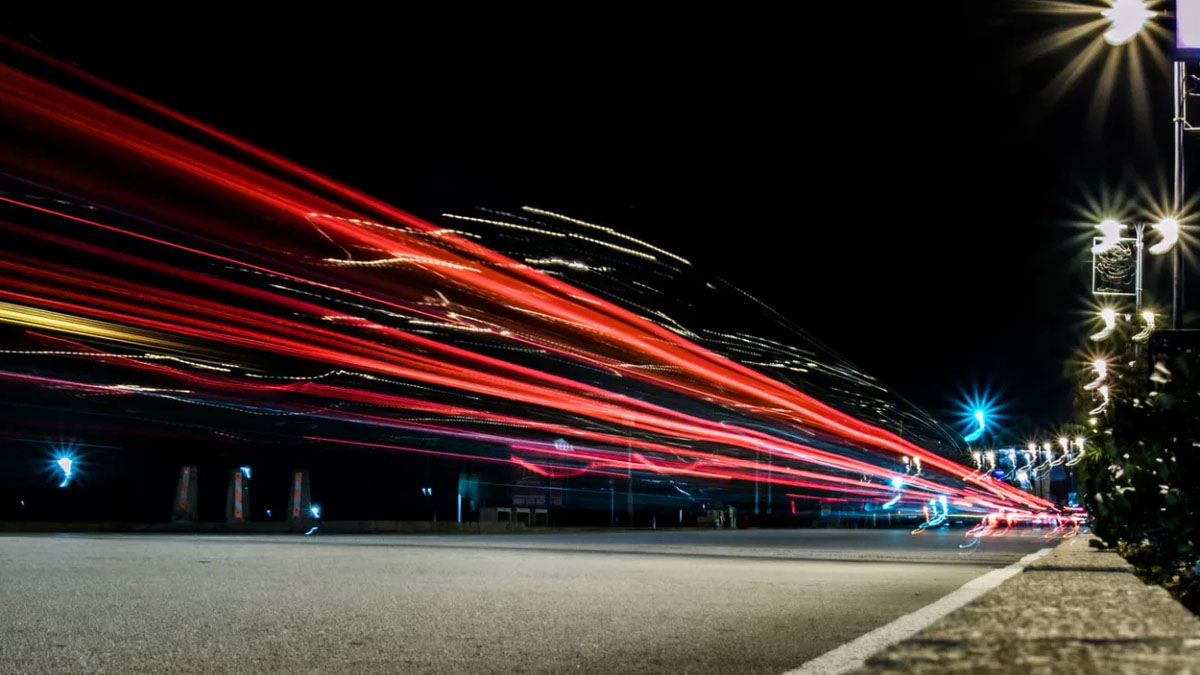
1077, 611
754, 601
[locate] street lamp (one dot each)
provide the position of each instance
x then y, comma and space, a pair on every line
1110, 231
1144, 334
977, 433
1101, 368
1169, 229
1109, 315
64, 464
1127, 18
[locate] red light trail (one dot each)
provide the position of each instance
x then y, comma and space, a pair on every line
192, 267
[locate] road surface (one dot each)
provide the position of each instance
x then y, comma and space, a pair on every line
754, 601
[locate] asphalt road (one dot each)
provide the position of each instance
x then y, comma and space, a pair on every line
755, 601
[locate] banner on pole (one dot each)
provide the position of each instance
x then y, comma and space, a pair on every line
1115, 271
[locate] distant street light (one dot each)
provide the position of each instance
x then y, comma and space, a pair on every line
1111, 236
975, 435
1100, 366
65, 464
1144, 334
1109, 316
1169, 229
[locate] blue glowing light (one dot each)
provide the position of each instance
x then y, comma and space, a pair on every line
245, 472
315, 510
981, 420
978, 412
897, 482
64, 464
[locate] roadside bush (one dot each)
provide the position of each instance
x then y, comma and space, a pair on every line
1141, 471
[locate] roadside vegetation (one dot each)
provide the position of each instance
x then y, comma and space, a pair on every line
1141, 472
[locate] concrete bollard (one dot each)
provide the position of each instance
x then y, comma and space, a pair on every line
299, 500
186, 508
237, 499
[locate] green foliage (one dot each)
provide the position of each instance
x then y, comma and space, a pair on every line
1141, 472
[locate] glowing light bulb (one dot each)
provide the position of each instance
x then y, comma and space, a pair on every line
1110, 231
1101, 368
1127, 18
1144, 333
976, 434
65, 463
1103, 390
1169, 229
1110, 324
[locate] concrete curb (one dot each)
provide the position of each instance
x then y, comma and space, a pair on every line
1076, 610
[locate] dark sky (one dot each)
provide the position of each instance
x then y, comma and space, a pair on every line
880, 175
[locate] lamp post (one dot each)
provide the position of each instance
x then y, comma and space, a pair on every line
1179, 122
1127, 18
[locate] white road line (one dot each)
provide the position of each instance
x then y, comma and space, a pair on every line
854, 653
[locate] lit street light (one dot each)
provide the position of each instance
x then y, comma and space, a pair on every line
1169, 229
1100, 366
976, 434
1144, 334
1110, 231
1127, 18
1109, 316
65, 464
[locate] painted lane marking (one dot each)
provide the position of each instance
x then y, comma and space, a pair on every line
854, 654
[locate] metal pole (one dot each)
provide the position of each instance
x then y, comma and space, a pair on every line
1179, 120
629, 475
770, 483
1137, 284
612, 504
756, 483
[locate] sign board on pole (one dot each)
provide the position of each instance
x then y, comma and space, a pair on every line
1187, 30
1115, 272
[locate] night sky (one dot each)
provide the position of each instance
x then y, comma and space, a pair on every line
893, 180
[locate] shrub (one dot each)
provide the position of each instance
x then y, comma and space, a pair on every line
1141, 471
